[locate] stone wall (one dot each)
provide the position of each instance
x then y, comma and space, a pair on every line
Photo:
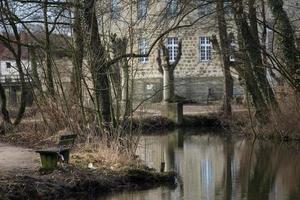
191, 89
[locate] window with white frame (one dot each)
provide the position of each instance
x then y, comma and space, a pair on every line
269, 39
227, 7
232, 46
231, 51
115, 9
205, 49
172, 7
172, 45
143, 48
141, 9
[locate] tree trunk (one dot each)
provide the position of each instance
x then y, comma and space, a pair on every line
260, 70
4, 111
287, 42
224, 53
167, 70
251, 85
34, 69
263, 95
47, 49
125, 90
168, 84
99, 69
76, 94
24, 90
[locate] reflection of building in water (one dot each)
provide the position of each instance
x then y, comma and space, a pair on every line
154, 194
155, 150
203, 173
215, 167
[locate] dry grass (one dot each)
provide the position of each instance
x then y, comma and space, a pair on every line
285, 124
113, 157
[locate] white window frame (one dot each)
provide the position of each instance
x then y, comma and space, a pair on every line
232, 47
227, 7
173, 48
205, 49
142, 9
143, 49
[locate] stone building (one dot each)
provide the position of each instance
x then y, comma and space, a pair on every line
199, 72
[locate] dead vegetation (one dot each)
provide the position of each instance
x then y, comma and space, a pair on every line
283, 124
75, 183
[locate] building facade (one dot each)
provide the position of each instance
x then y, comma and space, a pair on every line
198, 75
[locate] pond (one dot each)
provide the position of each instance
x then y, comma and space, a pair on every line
213, 167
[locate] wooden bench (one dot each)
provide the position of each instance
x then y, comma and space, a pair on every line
51, 156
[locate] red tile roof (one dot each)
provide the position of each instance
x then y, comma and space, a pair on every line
6, 54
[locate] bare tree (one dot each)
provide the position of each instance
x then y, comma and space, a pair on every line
166, 68
285, 33
225, 57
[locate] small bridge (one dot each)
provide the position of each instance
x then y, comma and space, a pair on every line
12, 80
12, 87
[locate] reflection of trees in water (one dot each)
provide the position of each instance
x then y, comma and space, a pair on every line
268, 167
228, 174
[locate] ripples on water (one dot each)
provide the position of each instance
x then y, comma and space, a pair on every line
213, 167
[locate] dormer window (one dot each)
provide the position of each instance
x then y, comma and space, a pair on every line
8, 65
172, 7
205, 8
142, 9
115, 9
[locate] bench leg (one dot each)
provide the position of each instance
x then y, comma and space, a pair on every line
66, 156
49, 162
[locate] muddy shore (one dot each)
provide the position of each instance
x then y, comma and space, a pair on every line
73, 183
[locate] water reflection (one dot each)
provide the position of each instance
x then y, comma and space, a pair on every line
214, 167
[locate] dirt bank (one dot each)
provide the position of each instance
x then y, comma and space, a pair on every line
20, 178
72, 183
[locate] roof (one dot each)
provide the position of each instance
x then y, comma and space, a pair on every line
59, 46
6, 54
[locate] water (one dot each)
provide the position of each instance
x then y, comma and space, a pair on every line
214, 167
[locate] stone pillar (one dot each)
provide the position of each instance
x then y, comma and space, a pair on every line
173, 112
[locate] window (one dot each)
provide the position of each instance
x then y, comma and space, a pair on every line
232, 46
141, 9
227, 7
8, 65
231, 51
172, 7
143, 48
269, 40
205, 49
172, 45
115, 9
204, 8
